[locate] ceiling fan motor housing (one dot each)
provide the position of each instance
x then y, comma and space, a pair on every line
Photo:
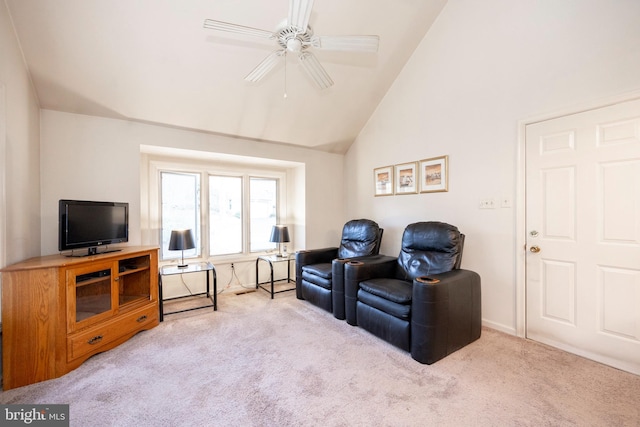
291, 39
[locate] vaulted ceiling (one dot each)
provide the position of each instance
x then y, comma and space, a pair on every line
153, 61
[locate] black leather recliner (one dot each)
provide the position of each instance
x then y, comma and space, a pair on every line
319, 272
421, 301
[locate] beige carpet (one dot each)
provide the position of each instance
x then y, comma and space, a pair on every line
263, 362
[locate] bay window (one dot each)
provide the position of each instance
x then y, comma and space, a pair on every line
231, 212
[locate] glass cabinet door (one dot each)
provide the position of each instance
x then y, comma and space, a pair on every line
90, 296
133, 282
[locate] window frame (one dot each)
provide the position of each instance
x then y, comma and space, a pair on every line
198, 248
246, 172
243, 211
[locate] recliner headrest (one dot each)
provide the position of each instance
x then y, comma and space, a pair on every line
431, 236
359, 238
430, 248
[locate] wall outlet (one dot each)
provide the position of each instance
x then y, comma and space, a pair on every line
487, 204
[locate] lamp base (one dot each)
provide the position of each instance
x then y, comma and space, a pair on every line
182, 264
282, 251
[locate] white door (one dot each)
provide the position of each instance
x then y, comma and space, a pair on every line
583, 234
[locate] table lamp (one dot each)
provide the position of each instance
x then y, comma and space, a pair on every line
280, 234
181, 240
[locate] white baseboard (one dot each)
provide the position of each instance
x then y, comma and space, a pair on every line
499, 327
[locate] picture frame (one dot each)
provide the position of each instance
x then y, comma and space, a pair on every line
406, 178
383, 181
434, 174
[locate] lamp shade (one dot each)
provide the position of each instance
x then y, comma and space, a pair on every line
181, 240
279, 234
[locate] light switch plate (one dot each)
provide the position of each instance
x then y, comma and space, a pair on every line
487, 204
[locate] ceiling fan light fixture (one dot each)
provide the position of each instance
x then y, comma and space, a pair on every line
294, 45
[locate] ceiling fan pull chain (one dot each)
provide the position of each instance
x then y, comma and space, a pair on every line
285, 74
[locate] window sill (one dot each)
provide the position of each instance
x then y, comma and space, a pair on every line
224, 260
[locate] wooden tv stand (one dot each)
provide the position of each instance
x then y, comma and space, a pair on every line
58, 311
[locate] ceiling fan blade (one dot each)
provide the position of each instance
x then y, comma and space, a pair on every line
299, 13
347, 43
238, 29
315, 70
263, 68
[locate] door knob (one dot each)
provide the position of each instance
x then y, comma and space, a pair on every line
534, 249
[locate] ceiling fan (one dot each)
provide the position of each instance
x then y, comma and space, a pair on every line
295, 35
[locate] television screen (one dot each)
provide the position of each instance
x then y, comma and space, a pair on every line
89, 224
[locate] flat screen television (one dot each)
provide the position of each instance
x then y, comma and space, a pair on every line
91, 224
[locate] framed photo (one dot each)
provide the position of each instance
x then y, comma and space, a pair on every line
406, 178
383, 181
434, 174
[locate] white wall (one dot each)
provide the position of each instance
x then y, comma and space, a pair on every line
93, 158
19, 153
482, 67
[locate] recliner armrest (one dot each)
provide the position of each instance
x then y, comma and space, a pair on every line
316, 256
337, 287
356, 271
313, 256
337, 277
445, 315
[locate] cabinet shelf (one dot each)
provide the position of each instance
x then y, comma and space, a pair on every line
128, 302
132, 270
86, 282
